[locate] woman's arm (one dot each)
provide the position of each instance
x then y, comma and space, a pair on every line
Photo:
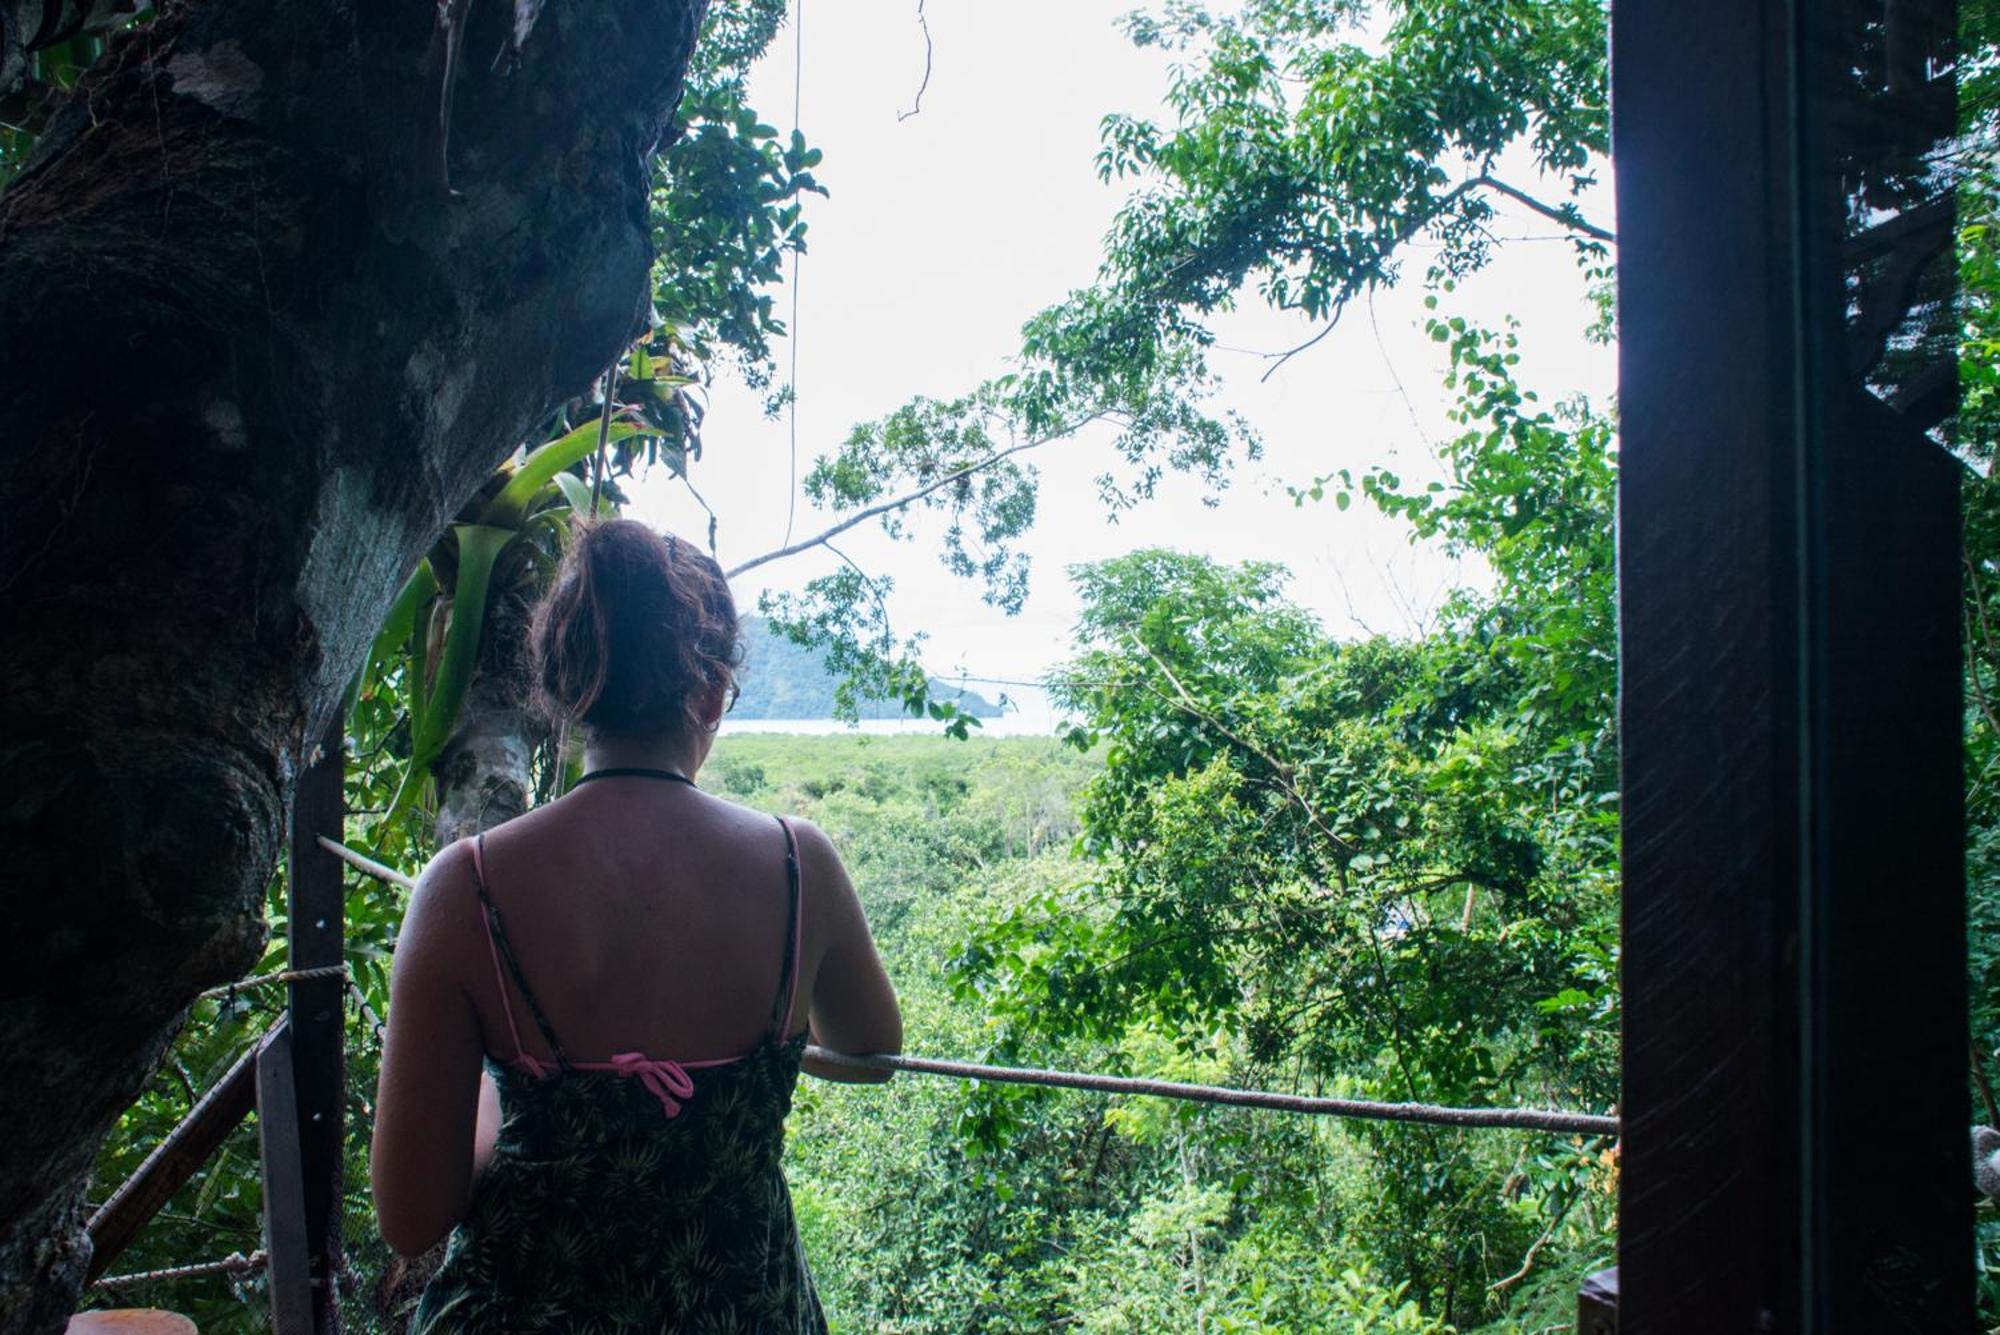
853, 1005
428, 1102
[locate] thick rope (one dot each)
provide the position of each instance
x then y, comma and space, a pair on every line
236, 1263
281, 976
1528, 1119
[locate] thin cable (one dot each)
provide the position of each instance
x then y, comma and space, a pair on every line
792, 329
1404, 394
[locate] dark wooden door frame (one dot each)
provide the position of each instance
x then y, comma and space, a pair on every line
1795, 1014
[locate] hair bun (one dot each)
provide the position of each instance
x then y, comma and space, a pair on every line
636, 636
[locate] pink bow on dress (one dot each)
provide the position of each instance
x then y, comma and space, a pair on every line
667, 1079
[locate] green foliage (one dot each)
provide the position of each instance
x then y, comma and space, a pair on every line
1103, 1215
48, 72
726, 198
1532, 492
505, 548
1976, 430
945, 456
1287, 98
222, 1210
1390, 866
1386, 868
1311, 142
844, 617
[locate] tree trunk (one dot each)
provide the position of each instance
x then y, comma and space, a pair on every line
485, 775
252, 358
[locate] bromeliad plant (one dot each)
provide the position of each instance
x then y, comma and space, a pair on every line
453, 619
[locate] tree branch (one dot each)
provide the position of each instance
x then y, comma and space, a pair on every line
1411, 225
1281, 771
1535, 1249
1280, 358
1568, 217
862, 516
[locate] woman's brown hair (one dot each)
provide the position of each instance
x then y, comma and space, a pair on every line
637, 632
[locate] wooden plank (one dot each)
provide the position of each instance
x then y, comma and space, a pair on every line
286, 1269
1794, 954
1597, 1304
317, 936
1708, 666
173, 1161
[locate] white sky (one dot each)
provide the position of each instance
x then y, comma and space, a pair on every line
946, 230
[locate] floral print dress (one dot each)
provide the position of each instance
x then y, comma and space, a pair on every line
637, 1194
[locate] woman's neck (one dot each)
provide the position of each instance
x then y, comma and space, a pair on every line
679, 756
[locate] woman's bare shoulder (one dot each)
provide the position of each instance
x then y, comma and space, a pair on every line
442, 907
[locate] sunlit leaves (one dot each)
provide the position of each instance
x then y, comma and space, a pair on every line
726, 198
1312, 142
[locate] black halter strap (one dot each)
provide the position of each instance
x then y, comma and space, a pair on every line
788, 981
636, 772
499, 932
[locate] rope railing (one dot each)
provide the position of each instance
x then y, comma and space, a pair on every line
236, 1263
1526, 1119
281, 976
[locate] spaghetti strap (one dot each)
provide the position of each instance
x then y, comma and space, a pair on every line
788, 968
498, 946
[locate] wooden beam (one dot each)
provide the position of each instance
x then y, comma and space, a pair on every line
1794, 1098
173, 1161
317, 915
1708, 631
287, 1269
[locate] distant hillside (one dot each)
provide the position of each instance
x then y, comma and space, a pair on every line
781, 680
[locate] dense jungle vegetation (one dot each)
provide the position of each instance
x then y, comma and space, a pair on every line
930, 1206
1386, 868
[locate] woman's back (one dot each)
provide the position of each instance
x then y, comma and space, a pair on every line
633, 968
632, 1187
646, 915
